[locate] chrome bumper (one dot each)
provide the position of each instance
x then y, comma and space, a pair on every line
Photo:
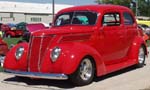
37, 75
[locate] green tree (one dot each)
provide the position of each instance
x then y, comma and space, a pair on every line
142, 7
116, 2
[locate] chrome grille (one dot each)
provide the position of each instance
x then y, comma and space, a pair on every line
37, 49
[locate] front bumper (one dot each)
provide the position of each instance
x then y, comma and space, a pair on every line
37, 75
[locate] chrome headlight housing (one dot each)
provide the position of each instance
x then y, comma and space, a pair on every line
19, 52
55, 54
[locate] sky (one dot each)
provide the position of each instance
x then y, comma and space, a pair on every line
72, 2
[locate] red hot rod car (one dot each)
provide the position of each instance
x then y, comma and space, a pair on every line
84, 41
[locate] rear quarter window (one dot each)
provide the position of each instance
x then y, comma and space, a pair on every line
111, 19
128, 19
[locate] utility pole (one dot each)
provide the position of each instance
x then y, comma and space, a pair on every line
53, 8
137, 5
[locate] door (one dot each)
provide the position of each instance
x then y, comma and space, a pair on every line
112, 37
130, 27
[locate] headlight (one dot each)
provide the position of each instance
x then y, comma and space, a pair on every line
55, 54
19, 52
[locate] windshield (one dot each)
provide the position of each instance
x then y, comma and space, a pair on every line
76, 18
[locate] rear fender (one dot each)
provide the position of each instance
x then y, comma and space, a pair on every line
134, 49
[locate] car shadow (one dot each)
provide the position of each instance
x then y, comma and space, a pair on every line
64, 84
117, 73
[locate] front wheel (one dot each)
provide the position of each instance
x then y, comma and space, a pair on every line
141, 57
85, 73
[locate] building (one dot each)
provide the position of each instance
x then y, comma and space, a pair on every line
15, 12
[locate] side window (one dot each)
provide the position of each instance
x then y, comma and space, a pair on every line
63, 19
128, 19
111, 19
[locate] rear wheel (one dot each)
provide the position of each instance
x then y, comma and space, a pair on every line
141, 57
84, 74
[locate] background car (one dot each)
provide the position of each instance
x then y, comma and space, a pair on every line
31, 28
142, 33
21, 26
9, 31
143, 21
146, 29
3, 51
1, 33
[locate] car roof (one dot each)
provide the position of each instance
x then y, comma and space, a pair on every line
96, 8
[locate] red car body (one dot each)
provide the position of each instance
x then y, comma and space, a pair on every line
104, 40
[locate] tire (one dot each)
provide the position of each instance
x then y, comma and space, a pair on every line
141, 57
84, 74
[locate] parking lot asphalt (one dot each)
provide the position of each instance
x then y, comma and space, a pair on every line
127, 79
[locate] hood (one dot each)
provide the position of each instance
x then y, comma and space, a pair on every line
64, 30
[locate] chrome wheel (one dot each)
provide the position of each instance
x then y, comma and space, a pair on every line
141, 56
86, 69
84, 73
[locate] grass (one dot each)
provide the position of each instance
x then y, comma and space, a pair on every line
1, 69
11, 41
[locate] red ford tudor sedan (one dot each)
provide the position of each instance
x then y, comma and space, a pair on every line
84, 42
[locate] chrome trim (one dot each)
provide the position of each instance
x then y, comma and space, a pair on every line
40, 48
76, 35
29, 54
37, 75
39, 60
53, 37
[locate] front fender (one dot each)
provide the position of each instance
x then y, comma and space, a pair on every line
73, 55
12, 63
